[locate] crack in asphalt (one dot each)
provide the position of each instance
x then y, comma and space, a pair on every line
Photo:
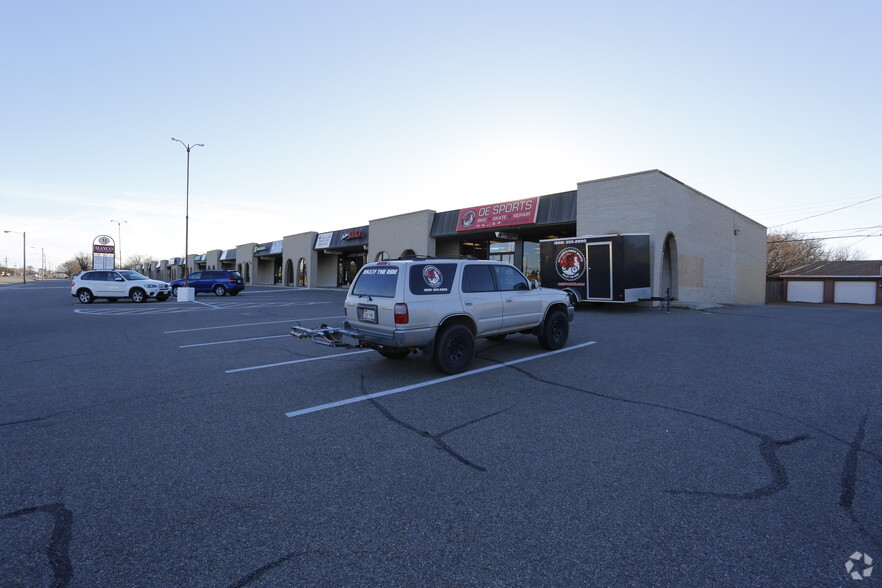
58, 545
436, 437
849, 479
256, 574
768, 445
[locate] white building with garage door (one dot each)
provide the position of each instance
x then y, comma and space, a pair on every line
839, 282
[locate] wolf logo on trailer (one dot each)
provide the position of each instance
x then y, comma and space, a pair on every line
570, 264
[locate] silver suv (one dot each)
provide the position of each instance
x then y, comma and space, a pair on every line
441, 305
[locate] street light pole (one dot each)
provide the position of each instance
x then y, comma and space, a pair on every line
24, 255
187, 210
119, 238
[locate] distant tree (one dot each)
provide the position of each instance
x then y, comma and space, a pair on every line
68, 268
845, 253
83, 260
789, 249
138, 259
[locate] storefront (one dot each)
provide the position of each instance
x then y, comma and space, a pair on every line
507, 231
342, 253
268, 263
228, 260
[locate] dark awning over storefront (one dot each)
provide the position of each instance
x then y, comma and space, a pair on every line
228, 255
342, 239
554, 209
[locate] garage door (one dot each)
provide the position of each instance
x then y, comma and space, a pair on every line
855, 292
809, 291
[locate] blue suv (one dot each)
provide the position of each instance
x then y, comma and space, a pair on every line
221, 282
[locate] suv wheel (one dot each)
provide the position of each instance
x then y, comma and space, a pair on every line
454, 348
85, 297
219, 290
555, 330
175, 291
138, 295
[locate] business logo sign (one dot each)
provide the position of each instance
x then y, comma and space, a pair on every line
103, 244
503, 214
570, 264
103, 252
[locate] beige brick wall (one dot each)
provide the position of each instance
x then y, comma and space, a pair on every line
714, 264
393, 235
297, 247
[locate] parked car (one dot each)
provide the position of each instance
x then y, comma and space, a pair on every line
116, 284
221, 282
441, 305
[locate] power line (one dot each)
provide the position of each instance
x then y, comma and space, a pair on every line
824, 238
828, 212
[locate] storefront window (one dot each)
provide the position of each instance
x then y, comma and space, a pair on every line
531, 260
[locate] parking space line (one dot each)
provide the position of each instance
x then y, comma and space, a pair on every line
431, 382
233, 341
269, 365
232, 326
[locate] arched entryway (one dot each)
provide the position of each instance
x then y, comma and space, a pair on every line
301, 273
669, 282
289, 273
408, 253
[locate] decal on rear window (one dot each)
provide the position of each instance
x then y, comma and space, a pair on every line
433, 278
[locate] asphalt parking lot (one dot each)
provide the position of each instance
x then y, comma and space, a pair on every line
198, 444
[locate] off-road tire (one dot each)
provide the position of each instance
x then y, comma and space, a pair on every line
454, 349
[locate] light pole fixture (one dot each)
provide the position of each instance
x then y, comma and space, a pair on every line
187, 210
24, 255
119, 239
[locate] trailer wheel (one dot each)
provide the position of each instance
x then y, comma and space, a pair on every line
555, 331
454, 348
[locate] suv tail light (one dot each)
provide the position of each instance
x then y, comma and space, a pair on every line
401, 315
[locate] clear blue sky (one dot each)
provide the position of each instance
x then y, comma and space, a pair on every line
325, 115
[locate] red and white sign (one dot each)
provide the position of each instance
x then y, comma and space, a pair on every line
504, 214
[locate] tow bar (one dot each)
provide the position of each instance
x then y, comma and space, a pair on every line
329, 336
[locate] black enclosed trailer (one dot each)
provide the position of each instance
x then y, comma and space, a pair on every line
603, 268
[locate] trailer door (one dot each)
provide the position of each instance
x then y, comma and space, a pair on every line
599, 270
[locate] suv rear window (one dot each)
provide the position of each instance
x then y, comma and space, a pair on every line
376, 281
434, 278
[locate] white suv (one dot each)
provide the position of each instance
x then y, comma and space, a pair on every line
116, 284
441, 305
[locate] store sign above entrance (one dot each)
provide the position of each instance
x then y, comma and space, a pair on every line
504, 214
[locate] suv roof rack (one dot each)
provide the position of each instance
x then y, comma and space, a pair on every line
419, 257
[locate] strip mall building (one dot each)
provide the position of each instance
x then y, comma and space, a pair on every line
701, 252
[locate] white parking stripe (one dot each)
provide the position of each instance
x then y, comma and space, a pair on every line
318, 318
269, 365
431, 382
232, 341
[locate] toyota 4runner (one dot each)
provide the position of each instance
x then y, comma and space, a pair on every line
440, 305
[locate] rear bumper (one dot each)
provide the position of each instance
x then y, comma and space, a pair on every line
408, 339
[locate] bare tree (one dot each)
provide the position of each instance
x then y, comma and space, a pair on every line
846, 253
82, 259
138, 259
789, 249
